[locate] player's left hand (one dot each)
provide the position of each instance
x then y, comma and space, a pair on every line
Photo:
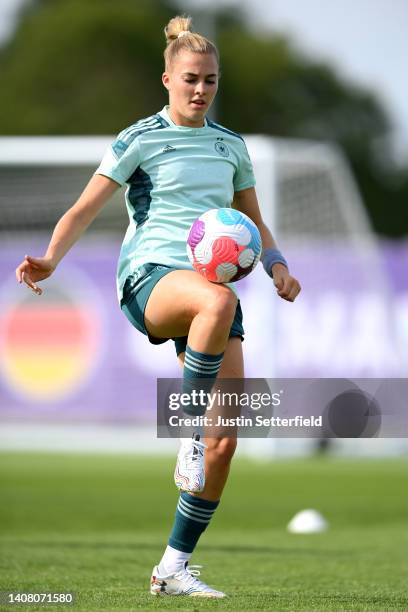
287, 287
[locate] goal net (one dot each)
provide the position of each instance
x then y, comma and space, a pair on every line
305, 188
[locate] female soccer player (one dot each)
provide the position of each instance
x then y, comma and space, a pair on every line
177, 164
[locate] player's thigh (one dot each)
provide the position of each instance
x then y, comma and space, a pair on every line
178, 297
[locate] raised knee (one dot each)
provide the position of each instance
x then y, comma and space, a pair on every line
222, 303
222, 449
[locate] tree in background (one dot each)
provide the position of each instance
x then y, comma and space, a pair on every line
94, 67
273, 90
79, 67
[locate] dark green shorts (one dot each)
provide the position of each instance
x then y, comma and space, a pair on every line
136, 292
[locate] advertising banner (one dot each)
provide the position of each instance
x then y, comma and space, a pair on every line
71, 355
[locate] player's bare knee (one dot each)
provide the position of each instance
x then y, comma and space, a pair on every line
222, 304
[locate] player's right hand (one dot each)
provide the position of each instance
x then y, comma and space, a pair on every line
34, 269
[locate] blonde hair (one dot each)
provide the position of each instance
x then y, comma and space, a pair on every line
180, 37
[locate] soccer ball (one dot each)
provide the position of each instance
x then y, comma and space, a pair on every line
224, 245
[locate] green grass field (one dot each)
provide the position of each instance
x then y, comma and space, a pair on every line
96, 525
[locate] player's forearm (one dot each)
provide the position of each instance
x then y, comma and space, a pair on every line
67, 231
268, 241
271, 256
75, 221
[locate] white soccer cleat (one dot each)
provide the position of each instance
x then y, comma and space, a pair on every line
183, 582
189, 474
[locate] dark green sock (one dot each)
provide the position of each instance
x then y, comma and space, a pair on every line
199, 374
193, 514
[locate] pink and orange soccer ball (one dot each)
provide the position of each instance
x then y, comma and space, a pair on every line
224, 245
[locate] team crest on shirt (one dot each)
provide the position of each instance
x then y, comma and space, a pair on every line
221, 147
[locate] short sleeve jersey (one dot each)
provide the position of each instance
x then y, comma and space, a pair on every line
173, 175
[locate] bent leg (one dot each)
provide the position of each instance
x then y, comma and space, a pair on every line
194, 511
183, 303
220, 451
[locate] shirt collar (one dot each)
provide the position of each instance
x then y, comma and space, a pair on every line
165, 114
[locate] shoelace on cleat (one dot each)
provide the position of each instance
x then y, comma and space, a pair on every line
191, 582
194, 453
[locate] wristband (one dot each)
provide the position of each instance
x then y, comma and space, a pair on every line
271, 257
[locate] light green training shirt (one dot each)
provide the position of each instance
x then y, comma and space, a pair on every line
173, 175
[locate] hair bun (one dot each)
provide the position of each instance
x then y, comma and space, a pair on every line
176, 26
180, 37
